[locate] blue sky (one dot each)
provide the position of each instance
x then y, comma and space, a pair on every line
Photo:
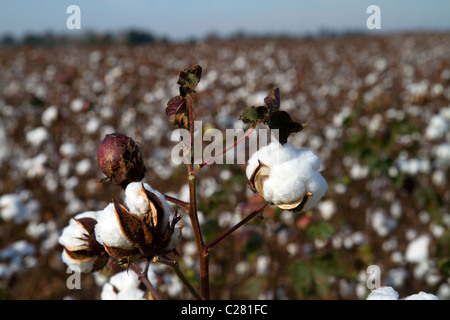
195, 18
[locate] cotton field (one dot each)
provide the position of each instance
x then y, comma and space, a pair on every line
378, 115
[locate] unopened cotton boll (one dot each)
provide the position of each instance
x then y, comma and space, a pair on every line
284, 176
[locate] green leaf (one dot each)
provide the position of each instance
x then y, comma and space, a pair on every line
301, 277
254, 114
443, 266
189, 79
321, 230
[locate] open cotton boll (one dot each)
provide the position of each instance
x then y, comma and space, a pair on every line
76, 265
12, 208
138, 204
417, 250
122, 286
383, 293
282, 186
37, 136
292, 173
388, 293
272, 154
318, 186
107, 229
422, 296
73, 234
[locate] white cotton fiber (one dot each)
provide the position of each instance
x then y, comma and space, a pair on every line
78, 266
388, 293
122, 286
72, 235
107, 229
383, 293
422, 296
417, 249
12, 208
138, 204
293, 172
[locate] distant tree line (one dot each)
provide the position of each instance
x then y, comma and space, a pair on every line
136, 37
131, 37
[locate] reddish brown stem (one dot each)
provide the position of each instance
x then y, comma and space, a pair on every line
253, 214
142, 276
205, 162
179, 202
192, 212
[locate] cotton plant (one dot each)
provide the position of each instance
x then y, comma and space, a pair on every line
145, 228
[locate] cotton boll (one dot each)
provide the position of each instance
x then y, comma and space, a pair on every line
125, 280
281, 186
437, 127
77, 105
93, 125
442, 153
359, 172
73, 234
272, 154
108, 292
388, 293
37, 136
327, 209
383, 293
318, 187
417, 250
138, 204
422, 296
107, 229
382, 223
439, 178
12, 208
132, 294
20, 255
68, 149
122, 286
397, 277
292, 173
83, 167
78, 266
49, 116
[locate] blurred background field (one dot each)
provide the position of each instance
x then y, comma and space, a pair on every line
378, 112
378, 109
